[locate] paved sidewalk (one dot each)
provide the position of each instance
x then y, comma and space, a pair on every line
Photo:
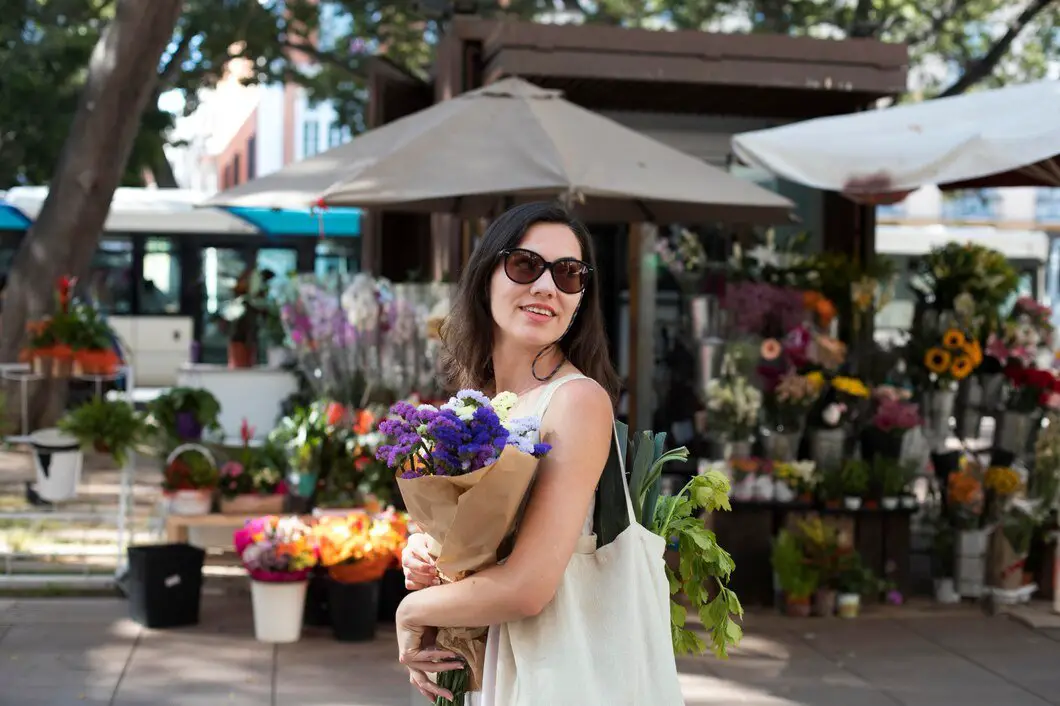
66, 652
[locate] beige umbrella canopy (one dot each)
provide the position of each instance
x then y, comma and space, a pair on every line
506, 143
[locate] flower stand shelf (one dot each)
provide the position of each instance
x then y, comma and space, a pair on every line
882, 537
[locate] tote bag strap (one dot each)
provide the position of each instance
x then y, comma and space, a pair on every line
622, 473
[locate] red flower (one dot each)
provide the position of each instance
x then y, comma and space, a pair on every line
334, 413
246, 432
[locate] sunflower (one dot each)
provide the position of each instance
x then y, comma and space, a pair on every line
937, 360
973, 350
962, 367
816, 379
954, 339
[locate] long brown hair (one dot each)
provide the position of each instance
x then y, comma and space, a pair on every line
467, 333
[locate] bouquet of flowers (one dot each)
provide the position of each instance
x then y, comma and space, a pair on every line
276, 549
790, 401
464, 472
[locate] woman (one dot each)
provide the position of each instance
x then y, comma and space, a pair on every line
526, 319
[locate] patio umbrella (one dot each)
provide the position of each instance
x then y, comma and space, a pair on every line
1005, 137
506, 143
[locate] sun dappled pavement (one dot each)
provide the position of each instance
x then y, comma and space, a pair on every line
63, 652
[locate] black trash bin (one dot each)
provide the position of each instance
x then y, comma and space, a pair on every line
164, 584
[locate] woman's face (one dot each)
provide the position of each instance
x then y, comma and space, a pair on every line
537, 313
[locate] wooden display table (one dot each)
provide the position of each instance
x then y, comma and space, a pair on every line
178, 526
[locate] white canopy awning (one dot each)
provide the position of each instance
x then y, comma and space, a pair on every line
1005, 137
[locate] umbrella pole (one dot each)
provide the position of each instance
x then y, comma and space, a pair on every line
641, 337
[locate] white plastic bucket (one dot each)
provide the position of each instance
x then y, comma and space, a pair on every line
278, 608
57, 459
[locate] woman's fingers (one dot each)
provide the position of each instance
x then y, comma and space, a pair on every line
426, 687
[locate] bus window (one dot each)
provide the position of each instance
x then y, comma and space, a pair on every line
337, 258
160, 282
110, 278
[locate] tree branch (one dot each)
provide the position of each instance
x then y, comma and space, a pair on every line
975, 71
324, 57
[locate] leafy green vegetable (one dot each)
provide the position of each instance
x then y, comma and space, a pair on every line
704, 568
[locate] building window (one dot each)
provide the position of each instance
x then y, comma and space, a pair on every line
310, 138
252, 157
110, 281
1047, 206
890, 212
161, 278
237, 170
971, 205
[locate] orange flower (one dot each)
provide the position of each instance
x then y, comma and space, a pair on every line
963, 488
363, 421
771, 349
825, 310
334, 413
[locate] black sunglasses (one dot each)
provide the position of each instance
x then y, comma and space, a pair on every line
526, 267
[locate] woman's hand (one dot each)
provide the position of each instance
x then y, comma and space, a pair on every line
417, 563
418, 652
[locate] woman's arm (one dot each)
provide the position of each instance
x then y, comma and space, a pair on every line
578, 424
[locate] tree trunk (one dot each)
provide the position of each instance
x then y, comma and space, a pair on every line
122, 74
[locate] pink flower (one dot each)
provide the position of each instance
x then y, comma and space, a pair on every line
1053, 400
232, 469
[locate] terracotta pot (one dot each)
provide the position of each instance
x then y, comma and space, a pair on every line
797, 607
241, 355
101, 447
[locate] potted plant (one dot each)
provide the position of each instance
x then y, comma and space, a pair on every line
798, 580
249, 485
356, 549
733, 406
892, 477
944, 562
108, 426
786, 408
830, 486
183, 413
189, 480
853, 581
855, 478
821, 547
278, 554
73, 341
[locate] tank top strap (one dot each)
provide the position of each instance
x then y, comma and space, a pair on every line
546, 395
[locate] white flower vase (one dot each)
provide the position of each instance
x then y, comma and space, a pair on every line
889, 503
58, 460
852, 503
827, 447
848, 605
783, 493
781, 446
743, 490
765, 488
278, 609
737, 449
189, 503
946, 592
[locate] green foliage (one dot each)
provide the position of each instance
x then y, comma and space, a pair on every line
855, 477
45, 46
112, 427
797, 578
164, 409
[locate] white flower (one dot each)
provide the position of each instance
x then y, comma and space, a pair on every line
503, 403
832, 414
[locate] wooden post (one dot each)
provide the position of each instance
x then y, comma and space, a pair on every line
642, 291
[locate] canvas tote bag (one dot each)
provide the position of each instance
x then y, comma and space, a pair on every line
604, 640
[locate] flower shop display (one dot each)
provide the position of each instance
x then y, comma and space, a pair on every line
823, 553
855, 481
891, 478
248, 484
182, 414
356, 550
75, 340
278, 553
465, 469
1031, 392
795, 480
854, 581
189, 479
108, 426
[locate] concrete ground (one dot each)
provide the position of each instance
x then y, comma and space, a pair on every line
66, 652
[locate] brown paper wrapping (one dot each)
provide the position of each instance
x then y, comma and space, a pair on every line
1006, 564
469, 518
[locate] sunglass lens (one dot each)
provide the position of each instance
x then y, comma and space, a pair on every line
523, 267
570, 276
